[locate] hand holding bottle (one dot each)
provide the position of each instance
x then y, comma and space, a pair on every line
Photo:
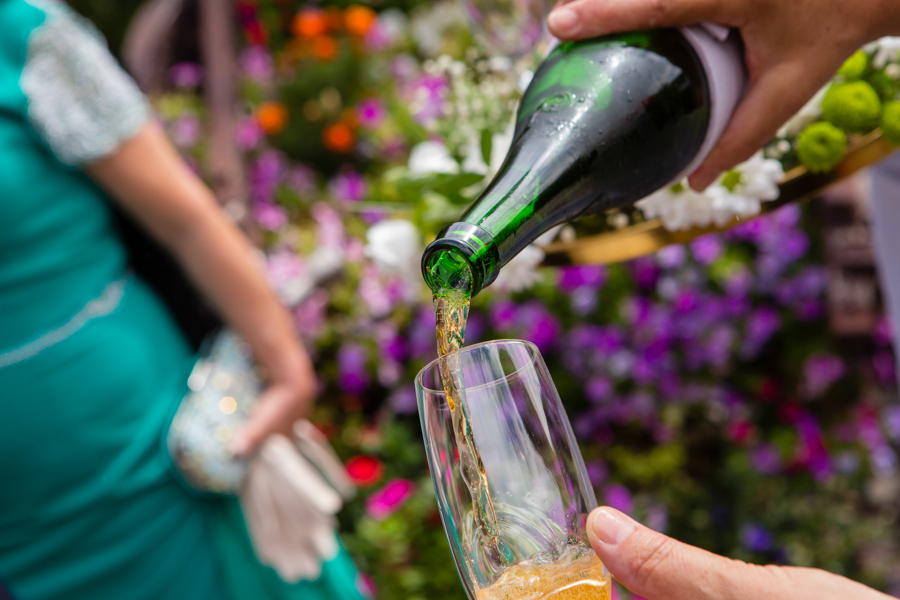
659, 568
791, 50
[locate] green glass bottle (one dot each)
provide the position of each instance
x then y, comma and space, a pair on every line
604, 123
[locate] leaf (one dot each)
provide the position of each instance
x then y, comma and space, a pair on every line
486, 143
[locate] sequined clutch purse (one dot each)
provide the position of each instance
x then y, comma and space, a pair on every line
224, 387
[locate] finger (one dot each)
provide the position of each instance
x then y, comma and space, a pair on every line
277, 409
586, 18
769, 103
657, 567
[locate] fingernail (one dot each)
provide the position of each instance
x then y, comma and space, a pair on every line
611, 526
563, 20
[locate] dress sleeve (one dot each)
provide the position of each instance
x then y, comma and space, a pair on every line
79, 100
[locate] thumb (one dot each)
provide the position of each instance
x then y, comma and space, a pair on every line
575, 19
657, 567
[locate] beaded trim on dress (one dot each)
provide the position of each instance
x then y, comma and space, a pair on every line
80, 100
101, 306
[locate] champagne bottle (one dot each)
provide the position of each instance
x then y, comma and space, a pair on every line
604, 123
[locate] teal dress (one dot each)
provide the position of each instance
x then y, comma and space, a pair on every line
92, 366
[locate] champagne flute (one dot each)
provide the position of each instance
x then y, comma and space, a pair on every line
532, 545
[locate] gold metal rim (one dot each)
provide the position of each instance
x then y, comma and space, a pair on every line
798, 185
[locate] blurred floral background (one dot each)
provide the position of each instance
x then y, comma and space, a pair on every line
713, 397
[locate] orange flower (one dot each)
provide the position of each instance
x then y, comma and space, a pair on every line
272, 117
324, 48
359, 19
310, 23
338, 137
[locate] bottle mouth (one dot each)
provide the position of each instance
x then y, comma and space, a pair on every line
461, 249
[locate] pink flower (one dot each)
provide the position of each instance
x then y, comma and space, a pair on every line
186, 75
257, 64
370, 112
820, 371
302, 179
390, 498
349, 186
270, 216
249, 134
186, 132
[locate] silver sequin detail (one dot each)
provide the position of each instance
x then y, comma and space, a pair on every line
101, 306
80, 100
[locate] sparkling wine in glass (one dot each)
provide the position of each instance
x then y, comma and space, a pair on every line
534, 546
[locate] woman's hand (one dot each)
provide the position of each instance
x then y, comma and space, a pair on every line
792, 48
659, 568
147, 177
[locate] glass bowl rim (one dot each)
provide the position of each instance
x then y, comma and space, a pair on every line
532, 347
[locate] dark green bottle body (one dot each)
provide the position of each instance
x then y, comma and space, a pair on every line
604, 123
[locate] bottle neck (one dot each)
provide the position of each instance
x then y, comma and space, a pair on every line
464, 255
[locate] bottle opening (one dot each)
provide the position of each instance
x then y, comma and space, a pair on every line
464, 255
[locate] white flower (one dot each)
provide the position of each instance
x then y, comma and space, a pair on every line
887, 49
760, 177
427, 158
429, 27
682, 208
395, 248
807, 115
474, 161
521, 273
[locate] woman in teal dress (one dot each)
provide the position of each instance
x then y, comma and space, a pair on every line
92, 366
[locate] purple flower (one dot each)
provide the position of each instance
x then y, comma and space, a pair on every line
883, 334
671, 257
370, 113
403, 400
353, 377
257, 63
762, 324
186, 132
421, 335
597, 472
301, 179
269, 216
427, 97
309, 316
765, 459
504, 315
248, 134
707, 248
348, 186
390, 498
820, 371
619, 498
738, 282
282, 267
645, 272
572, 278
264, 176
891, 419
542, 327
598, 389
756, 538
186, 75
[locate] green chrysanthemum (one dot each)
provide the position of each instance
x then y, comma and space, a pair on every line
821, 146
886, 86
853, 106
890, 122
855, 66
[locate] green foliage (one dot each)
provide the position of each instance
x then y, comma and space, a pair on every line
854, 106
890, 122
854, 67
821, 146
886, 86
